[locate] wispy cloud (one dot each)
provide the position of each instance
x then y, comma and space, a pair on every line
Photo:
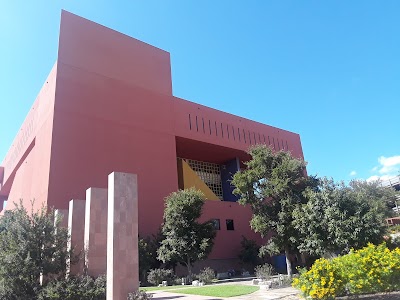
389, 164
353, 173
388, 168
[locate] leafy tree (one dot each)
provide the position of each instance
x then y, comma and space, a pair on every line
273, 185
186, 240
148, 254
30, 247
338, 217
249, 254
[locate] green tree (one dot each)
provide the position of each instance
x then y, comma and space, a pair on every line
249, 254
186, 240
148, 254
273, 184
30, 247
338, 217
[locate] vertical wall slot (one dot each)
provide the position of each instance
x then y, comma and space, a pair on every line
227, 130
273, 142
209, 125
287, 146
222, 131
190, 123
233, 131
244, 136
216, 129
204, 130
264, 139
197, 125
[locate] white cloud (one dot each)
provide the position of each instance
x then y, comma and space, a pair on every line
388, 168
353, 173
381, 178
389, 164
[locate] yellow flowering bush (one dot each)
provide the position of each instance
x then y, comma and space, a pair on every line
369, 270
322, 281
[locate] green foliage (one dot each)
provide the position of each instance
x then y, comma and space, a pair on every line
75, 288
148, 254
207, 275
139, 295
157, 276
249, 254
339, 217
30, 246
273, 185
264, 271
372, 269
186, 240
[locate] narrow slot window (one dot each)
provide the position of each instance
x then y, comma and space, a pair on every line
230, 225
244, 136
287, 146
233, 131
216, 129
273, 142
204, 131
190, 123
222, 131
227, 130
197, 125
209, 125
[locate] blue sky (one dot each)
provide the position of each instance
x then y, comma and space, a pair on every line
328, 70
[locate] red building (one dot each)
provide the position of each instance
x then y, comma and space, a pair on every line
107, 105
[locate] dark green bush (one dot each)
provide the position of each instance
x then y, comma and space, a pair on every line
139, 295
207, 275
156, 276
75, 288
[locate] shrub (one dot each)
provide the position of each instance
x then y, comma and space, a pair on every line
74, 288
157, 276
264, 271
371, 269
139, 295
322, 281
207, 275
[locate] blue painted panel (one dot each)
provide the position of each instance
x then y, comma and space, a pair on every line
227, 170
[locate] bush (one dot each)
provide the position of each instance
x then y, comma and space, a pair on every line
322, 281
207, 275
157, 276
264, 271
371, 269
74, 288
139, 295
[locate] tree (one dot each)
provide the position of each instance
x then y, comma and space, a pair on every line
148, 254
186, 240
249, 254
273, 185
30, 247
338, 217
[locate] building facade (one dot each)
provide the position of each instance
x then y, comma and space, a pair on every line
107, 105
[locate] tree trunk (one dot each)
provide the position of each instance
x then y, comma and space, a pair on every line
189, 267
288, 262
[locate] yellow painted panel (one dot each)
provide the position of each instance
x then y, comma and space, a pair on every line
191, 179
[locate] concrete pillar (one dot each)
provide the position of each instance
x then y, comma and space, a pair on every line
61, 215
96, 231
76, 230
122, 238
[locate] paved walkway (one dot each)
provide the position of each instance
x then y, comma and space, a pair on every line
287, 293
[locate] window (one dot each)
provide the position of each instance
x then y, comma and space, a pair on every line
229, 224
216, 224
